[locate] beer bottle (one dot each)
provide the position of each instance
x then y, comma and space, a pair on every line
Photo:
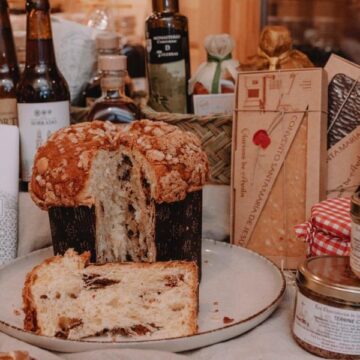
9, 70
168, 57
42, 94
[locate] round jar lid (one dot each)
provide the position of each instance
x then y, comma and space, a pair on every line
355, 204
330, 276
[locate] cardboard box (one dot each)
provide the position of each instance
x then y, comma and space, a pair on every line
278, 159
343, 127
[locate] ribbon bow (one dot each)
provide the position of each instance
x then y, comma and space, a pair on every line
216, 80
273, 60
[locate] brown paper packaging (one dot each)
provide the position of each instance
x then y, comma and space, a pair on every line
278, 159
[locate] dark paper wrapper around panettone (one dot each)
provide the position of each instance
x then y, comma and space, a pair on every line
178, 229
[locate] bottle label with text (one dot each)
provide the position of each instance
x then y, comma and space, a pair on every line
167, 69
36, 123
8, 112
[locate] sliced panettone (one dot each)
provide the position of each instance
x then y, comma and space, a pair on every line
68, 298
129, 194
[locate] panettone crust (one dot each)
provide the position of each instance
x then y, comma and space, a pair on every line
176, 156
62, 165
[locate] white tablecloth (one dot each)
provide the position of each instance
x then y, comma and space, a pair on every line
271, 340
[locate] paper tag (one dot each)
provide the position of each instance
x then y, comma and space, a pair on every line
214, 104
140, 84
36, 123
327, 327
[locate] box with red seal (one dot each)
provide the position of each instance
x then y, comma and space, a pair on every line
279, 159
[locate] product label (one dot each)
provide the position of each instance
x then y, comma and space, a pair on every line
8, 112
36, 123
343, 162
327, 327
167, 69
355, 247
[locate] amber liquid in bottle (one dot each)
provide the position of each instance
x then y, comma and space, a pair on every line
168, 58
9, 70
42, 94
113, 105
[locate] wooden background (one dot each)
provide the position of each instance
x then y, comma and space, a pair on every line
240, 18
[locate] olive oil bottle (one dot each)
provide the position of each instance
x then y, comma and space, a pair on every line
168, 57
42, 94
9, 70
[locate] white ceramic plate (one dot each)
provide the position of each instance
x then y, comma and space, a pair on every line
237, 284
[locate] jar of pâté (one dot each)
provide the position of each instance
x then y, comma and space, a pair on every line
327, 308
355, 234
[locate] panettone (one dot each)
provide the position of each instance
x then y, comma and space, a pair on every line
128, 194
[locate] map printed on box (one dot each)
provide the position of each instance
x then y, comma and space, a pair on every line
279, 159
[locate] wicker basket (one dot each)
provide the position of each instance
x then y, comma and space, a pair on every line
214, 132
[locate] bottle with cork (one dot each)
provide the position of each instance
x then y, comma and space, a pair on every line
168, 58
9, 70
106, 44
43, 95
114, 105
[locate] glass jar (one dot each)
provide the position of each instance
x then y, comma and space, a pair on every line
327, 309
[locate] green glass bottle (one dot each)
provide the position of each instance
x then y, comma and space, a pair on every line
168, 58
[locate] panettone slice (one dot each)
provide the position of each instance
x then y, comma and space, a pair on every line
69, 298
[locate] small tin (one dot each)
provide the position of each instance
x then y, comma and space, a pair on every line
327, 308
355, 234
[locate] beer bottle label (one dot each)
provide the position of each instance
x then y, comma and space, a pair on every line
37, 121
167, 69
8, 112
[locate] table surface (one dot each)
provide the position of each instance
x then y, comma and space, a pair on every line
269, 341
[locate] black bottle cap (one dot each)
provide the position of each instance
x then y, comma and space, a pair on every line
43, 5
165, 5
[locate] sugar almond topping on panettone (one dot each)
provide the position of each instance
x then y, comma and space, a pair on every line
180, 164
63, 166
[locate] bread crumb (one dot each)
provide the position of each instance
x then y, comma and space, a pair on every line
227, 320
17, 312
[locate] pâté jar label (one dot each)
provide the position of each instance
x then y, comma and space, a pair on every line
327, 327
